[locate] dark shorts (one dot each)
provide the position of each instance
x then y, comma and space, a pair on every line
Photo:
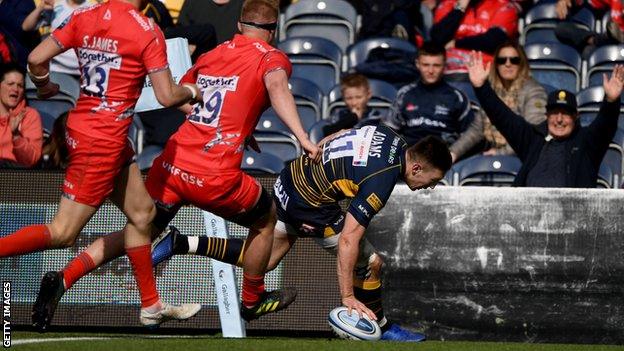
307, 220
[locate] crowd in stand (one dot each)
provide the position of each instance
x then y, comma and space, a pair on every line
443, 97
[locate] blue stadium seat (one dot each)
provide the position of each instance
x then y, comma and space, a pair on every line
555, 64
467, 89
539, 24
309, 99
358, 52
602, 61
606, 177
261, 163
335, 20
486, 170
316, 132
136, 134
145, 159
286, 147
270, 122
541, 20
316, 59
589, 101
50, 110
69, 88
383, 93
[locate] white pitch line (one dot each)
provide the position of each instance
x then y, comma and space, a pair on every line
85, 338
35, 341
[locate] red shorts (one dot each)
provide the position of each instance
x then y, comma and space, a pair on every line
94, 164
225, 194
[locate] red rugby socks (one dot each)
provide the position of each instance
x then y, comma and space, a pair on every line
77, 268
253, 287
29, 239
141, 261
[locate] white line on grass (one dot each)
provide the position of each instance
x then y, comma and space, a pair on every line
85, 338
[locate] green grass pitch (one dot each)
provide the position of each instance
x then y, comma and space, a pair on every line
119, 342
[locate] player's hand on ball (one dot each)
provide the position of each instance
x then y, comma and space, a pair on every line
355, 305
48, 90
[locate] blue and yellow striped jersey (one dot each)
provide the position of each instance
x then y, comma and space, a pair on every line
362, 164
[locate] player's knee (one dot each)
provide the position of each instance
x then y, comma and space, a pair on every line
62, 235
143, 216
375, 264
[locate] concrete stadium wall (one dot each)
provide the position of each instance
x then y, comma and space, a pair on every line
505, 263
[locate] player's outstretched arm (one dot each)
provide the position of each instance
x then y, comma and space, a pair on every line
169, 94
283, 103
348, 250
39, 67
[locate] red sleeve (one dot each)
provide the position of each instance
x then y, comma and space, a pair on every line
616, 12
27, 148
191, 75
443, 9
506, 18
65, 36
274, 60
155, 52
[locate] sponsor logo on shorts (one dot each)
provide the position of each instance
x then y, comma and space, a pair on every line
374, 201
280, 193
71, 142
68, 184
186, 177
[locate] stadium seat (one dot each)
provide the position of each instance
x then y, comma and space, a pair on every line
270, 122
69, 88
146, 158
136, 135
286, 147
383, 93
261, 163
467, 89
541, 20
49, 111
555, 64
606, 177
486, 170
589, 101
539, 24
316, 59
316, 132
334, 20
602, 61
358, 52
309, 99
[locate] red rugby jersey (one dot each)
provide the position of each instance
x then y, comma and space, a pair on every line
117, 47
231, 80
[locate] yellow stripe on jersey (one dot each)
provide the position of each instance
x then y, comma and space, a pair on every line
299, 180
347, 186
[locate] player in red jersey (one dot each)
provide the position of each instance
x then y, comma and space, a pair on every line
117, 47
201, 162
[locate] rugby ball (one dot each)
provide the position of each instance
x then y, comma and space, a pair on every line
353, 327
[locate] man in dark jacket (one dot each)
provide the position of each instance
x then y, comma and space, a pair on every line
430, 106
559, 152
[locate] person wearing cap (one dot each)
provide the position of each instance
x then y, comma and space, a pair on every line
558, 152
